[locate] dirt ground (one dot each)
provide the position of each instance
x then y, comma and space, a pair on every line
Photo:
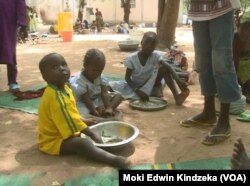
161, 139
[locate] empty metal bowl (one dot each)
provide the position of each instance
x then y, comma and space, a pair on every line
128, 45
115, 134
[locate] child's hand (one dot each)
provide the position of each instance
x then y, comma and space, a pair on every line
142, 95
89, 121
96, 138
101, 110
95, 113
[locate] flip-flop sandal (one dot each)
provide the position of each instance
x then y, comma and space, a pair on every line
245, 116
191, 123
214, 139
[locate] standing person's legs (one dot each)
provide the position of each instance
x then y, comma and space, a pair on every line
221, 34
203, 62
12, 73
12, 76
126, 17
80, 146
124, 14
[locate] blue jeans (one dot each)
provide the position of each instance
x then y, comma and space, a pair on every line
214, 58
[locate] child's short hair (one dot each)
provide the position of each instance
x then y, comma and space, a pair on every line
94, 55
150, 34
45, 60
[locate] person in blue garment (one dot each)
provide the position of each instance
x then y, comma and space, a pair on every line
213, 25
145, 70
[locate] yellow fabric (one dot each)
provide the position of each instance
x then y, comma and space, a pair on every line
58, 119
65, 21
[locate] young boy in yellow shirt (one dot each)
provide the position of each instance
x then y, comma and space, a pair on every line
59, 122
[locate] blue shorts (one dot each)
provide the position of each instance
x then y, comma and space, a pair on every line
214, 58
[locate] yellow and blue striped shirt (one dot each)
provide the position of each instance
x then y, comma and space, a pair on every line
58, 119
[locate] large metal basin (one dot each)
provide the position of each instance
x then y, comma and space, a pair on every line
128, 45
115, 134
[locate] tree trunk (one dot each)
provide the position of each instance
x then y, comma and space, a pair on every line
168, 12
161, 4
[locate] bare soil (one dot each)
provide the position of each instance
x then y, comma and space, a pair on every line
161, 139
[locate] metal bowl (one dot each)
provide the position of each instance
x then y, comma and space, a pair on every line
128, 45
153, 104
115, 134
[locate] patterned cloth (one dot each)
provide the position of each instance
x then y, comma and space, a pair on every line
203, 10
177, 59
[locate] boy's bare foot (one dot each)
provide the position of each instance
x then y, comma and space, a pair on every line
182, 96
122, 162
239, 159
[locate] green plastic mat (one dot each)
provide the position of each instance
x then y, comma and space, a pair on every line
16, 180
111, 178
7, 100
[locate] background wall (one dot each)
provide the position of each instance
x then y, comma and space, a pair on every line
145, 11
